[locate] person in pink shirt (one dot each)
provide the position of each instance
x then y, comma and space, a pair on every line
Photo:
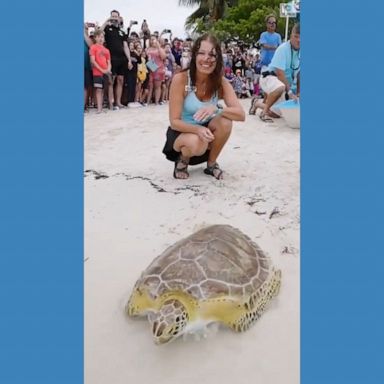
157, 55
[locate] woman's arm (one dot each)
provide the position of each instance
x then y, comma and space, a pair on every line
233, 109
87, 39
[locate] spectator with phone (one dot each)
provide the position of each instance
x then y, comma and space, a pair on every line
156, 57
146, 33
101, 67
116, 42
131, 77
177, 50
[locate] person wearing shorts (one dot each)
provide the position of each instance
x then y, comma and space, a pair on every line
116, 42
101, 67
199, 126
278, 82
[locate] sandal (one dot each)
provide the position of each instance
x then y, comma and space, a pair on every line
252, 109
210, 170
265, 118
180, 170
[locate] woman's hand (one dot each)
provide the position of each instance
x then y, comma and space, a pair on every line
205, 113
205, 134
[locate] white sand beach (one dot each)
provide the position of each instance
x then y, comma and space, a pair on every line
134, 209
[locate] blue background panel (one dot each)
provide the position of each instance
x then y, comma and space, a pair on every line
341, 195
41, 141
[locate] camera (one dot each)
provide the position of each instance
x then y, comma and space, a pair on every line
133, 22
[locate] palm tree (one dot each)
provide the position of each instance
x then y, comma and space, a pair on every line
208, 11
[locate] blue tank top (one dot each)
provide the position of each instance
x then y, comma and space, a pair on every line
192, 104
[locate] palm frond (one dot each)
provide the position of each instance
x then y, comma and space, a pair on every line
198, 14
189, 3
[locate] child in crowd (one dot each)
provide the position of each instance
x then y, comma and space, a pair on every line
185, 57
249, 78
143, 79
228, 74
101, 68
168, 79
237, 84
142, 73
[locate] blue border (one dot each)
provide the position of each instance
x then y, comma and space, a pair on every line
342, 193
41, 248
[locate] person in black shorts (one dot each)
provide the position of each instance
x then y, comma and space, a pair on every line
116, 42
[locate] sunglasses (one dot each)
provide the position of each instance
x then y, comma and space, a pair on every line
271, 22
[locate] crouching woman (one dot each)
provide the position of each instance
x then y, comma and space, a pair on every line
199, 127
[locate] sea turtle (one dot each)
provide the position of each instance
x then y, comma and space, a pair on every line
215, 275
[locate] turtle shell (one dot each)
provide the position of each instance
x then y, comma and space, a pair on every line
215, 261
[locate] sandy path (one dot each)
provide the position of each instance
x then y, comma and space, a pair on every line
134, 209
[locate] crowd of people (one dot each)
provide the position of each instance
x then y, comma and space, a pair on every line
137, 68
124, 68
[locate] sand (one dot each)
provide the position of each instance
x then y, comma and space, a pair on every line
134, 209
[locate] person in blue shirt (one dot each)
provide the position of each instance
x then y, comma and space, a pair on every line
280, 81
269, 40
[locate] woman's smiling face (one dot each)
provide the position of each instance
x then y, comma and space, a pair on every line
206, 58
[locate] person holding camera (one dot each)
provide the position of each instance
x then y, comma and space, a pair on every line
199, 126
177, 50
145, 33
116, 42
156, 56
238, 62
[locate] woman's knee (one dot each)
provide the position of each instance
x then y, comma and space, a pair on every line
193, 144
196, 145
222, 126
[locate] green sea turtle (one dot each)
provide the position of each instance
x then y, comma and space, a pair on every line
215, 275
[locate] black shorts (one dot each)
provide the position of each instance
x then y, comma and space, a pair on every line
145, 84
100, 82
119, 66
173, 155
87, 78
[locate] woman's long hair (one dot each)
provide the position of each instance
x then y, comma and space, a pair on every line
215, 79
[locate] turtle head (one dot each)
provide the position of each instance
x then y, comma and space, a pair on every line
138, 303
169, 322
